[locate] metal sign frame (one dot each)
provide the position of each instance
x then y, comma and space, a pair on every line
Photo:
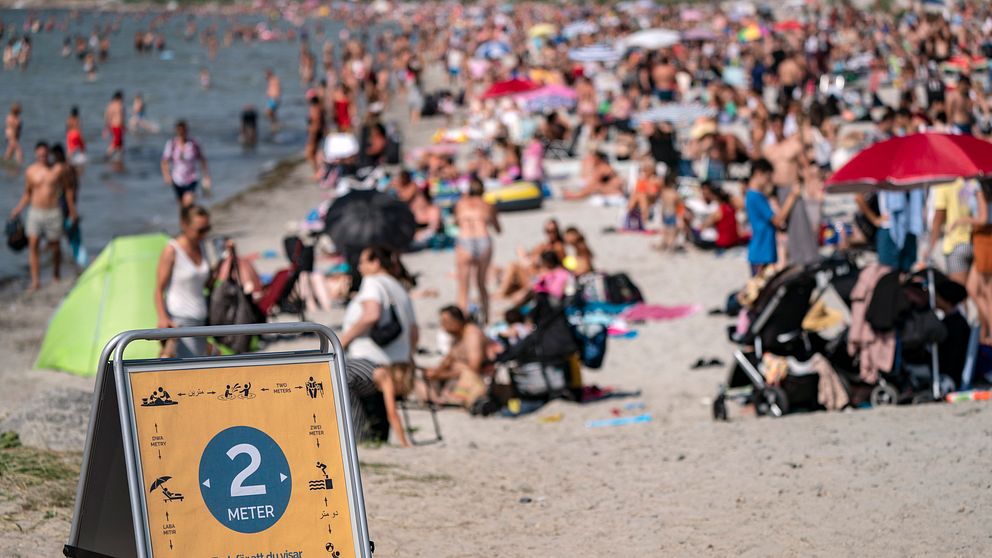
113, 354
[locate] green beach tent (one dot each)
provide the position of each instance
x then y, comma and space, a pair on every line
114, 294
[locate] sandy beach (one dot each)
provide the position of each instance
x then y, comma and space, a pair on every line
907, 481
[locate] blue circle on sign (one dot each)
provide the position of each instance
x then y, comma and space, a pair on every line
245, 479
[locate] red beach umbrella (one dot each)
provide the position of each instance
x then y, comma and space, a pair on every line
914, 161
788, 25
510, 87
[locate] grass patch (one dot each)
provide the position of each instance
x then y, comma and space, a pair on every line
429, 478
36, 479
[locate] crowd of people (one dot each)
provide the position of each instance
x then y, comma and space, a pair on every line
713, 128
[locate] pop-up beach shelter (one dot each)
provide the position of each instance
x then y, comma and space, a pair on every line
114, 294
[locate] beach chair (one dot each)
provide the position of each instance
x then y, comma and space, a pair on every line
284, 294
406, 407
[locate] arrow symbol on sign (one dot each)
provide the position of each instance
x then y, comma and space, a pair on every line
206, 483
282, 477
160, 454
325, 501
167, 516
156, 428
318, 442
170, 544
315, 418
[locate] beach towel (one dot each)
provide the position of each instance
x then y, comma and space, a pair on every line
658, 312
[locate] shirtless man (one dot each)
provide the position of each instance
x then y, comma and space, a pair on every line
785, 153
113, 119
961, 106
788, 157
273, 94
663, 74
12, 131
44, 217
790, 75
474, 248
458, 379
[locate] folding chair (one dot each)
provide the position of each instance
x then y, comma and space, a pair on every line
407, 406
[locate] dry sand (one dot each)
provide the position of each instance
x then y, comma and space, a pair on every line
889, 482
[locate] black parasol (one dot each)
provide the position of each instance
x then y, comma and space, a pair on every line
363, 218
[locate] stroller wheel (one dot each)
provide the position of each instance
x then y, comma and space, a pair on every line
773, 401
884, 395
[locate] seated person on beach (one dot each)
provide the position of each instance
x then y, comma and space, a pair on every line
511, 170
458, 378
551, 279
517, 276
373, 391
427, 214
579, 262
717, 229
602, 180
646, 191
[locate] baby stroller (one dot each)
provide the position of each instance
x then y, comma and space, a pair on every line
777, 328
283, 294
916, 374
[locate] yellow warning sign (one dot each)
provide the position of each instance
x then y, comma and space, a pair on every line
243, 462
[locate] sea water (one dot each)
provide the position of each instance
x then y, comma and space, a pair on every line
136, 200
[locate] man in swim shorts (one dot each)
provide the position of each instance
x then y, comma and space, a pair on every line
113, 118
273, 93
44, 215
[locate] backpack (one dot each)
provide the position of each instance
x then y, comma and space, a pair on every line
592, 346
621, 290
17, 239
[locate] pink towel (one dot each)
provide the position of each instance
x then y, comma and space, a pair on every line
652, 312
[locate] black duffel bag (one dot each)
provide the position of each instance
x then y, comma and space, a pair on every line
229, 305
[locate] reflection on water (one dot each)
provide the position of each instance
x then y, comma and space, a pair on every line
136, 199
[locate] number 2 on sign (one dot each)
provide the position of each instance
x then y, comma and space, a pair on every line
237, 488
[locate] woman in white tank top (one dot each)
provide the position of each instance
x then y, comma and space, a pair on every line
183, 272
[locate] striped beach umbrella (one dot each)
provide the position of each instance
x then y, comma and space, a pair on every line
577, 28
491, 50
680, 114
551, 97
607, 54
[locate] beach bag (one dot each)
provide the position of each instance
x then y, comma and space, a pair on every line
592, 287
592, 346
534, 380
983, 252
229, 305
383, 334
621, 290
17, 239
921, 329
